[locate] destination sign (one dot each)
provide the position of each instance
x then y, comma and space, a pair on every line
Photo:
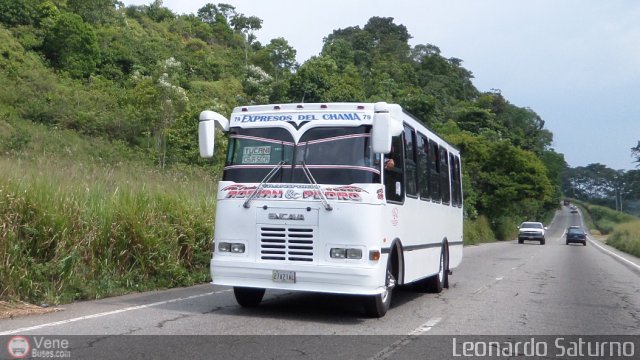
301, 117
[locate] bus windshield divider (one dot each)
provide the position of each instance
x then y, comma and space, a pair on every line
266, 179
312, 180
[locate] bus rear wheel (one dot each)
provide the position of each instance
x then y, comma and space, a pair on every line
439, 281
248, 297
376, 306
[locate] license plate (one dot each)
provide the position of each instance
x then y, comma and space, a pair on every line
283, 276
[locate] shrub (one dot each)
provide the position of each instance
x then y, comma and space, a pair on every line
478, 231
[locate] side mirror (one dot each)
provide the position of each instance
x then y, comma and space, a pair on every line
384, 128
209, 120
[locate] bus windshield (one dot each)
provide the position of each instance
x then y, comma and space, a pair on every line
333, 155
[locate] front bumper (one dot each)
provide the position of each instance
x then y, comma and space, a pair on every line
529, 236
314, 278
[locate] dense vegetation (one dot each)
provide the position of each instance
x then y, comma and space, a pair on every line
626, 237
622, 230
123, 211
81, 219
598, 184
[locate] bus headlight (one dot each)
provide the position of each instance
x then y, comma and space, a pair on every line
345, 253
237, 248
338, 253
234, 248
224, 247
354, 254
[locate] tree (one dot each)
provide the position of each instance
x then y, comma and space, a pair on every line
389, 37
599, 184
475, 119
318, 80
95, 11
218, 18
71, 45
514, 185
340, 50
117, 58
247, 26
18, 12
172, 102
208, 13
635, 152
420, 52
282, 55
314, 78
157, 12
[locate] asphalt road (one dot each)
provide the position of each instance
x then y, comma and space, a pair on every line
501, 288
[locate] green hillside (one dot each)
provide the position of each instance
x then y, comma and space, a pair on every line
102, 190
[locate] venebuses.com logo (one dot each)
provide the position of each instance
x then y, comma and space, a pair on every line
18, 347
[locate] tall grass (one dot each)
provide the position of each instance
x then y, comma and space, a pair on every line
626, 237
72, 230
478, 231
603, 218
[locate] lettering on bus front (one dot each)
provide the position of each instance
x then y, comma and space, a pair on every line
352, 116
332, 195
256, 155
346, 193
264, 194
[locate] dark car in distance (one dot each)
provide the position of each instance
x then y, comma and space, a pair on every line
575, 234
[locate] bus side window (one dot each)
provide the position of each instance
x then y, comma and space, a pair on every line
423, 167
394, 177
455, 180
410, 170
444, 176
458, 183
434, 166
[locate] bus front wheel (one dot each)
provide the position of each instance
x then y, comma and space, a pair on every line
377, 305
248, 297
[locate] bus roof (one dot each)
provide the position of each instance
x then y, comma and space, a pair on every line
299, 117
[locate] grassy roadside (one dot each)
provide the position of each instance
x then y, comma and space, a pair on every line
478, 231
76, 231
626, 237
622, 230
77, 225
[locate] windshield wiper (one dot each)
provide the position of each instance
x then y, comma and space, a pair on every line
311, 179
265, 180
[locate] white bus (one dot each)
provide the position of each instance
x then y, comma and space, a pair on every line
341, 198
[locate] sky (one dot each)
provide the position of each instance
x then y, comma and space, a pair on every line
576, 63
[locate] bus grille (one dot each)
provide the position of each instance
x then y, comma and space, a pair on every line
286, 244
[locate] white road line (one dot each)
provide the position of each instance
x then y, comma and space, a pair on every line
113, 312
481, 289
425, 327
485, 287
614, 254
393, 348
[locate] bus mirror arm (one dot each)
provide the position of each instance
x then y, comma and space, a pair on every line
264, 180
312, 180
